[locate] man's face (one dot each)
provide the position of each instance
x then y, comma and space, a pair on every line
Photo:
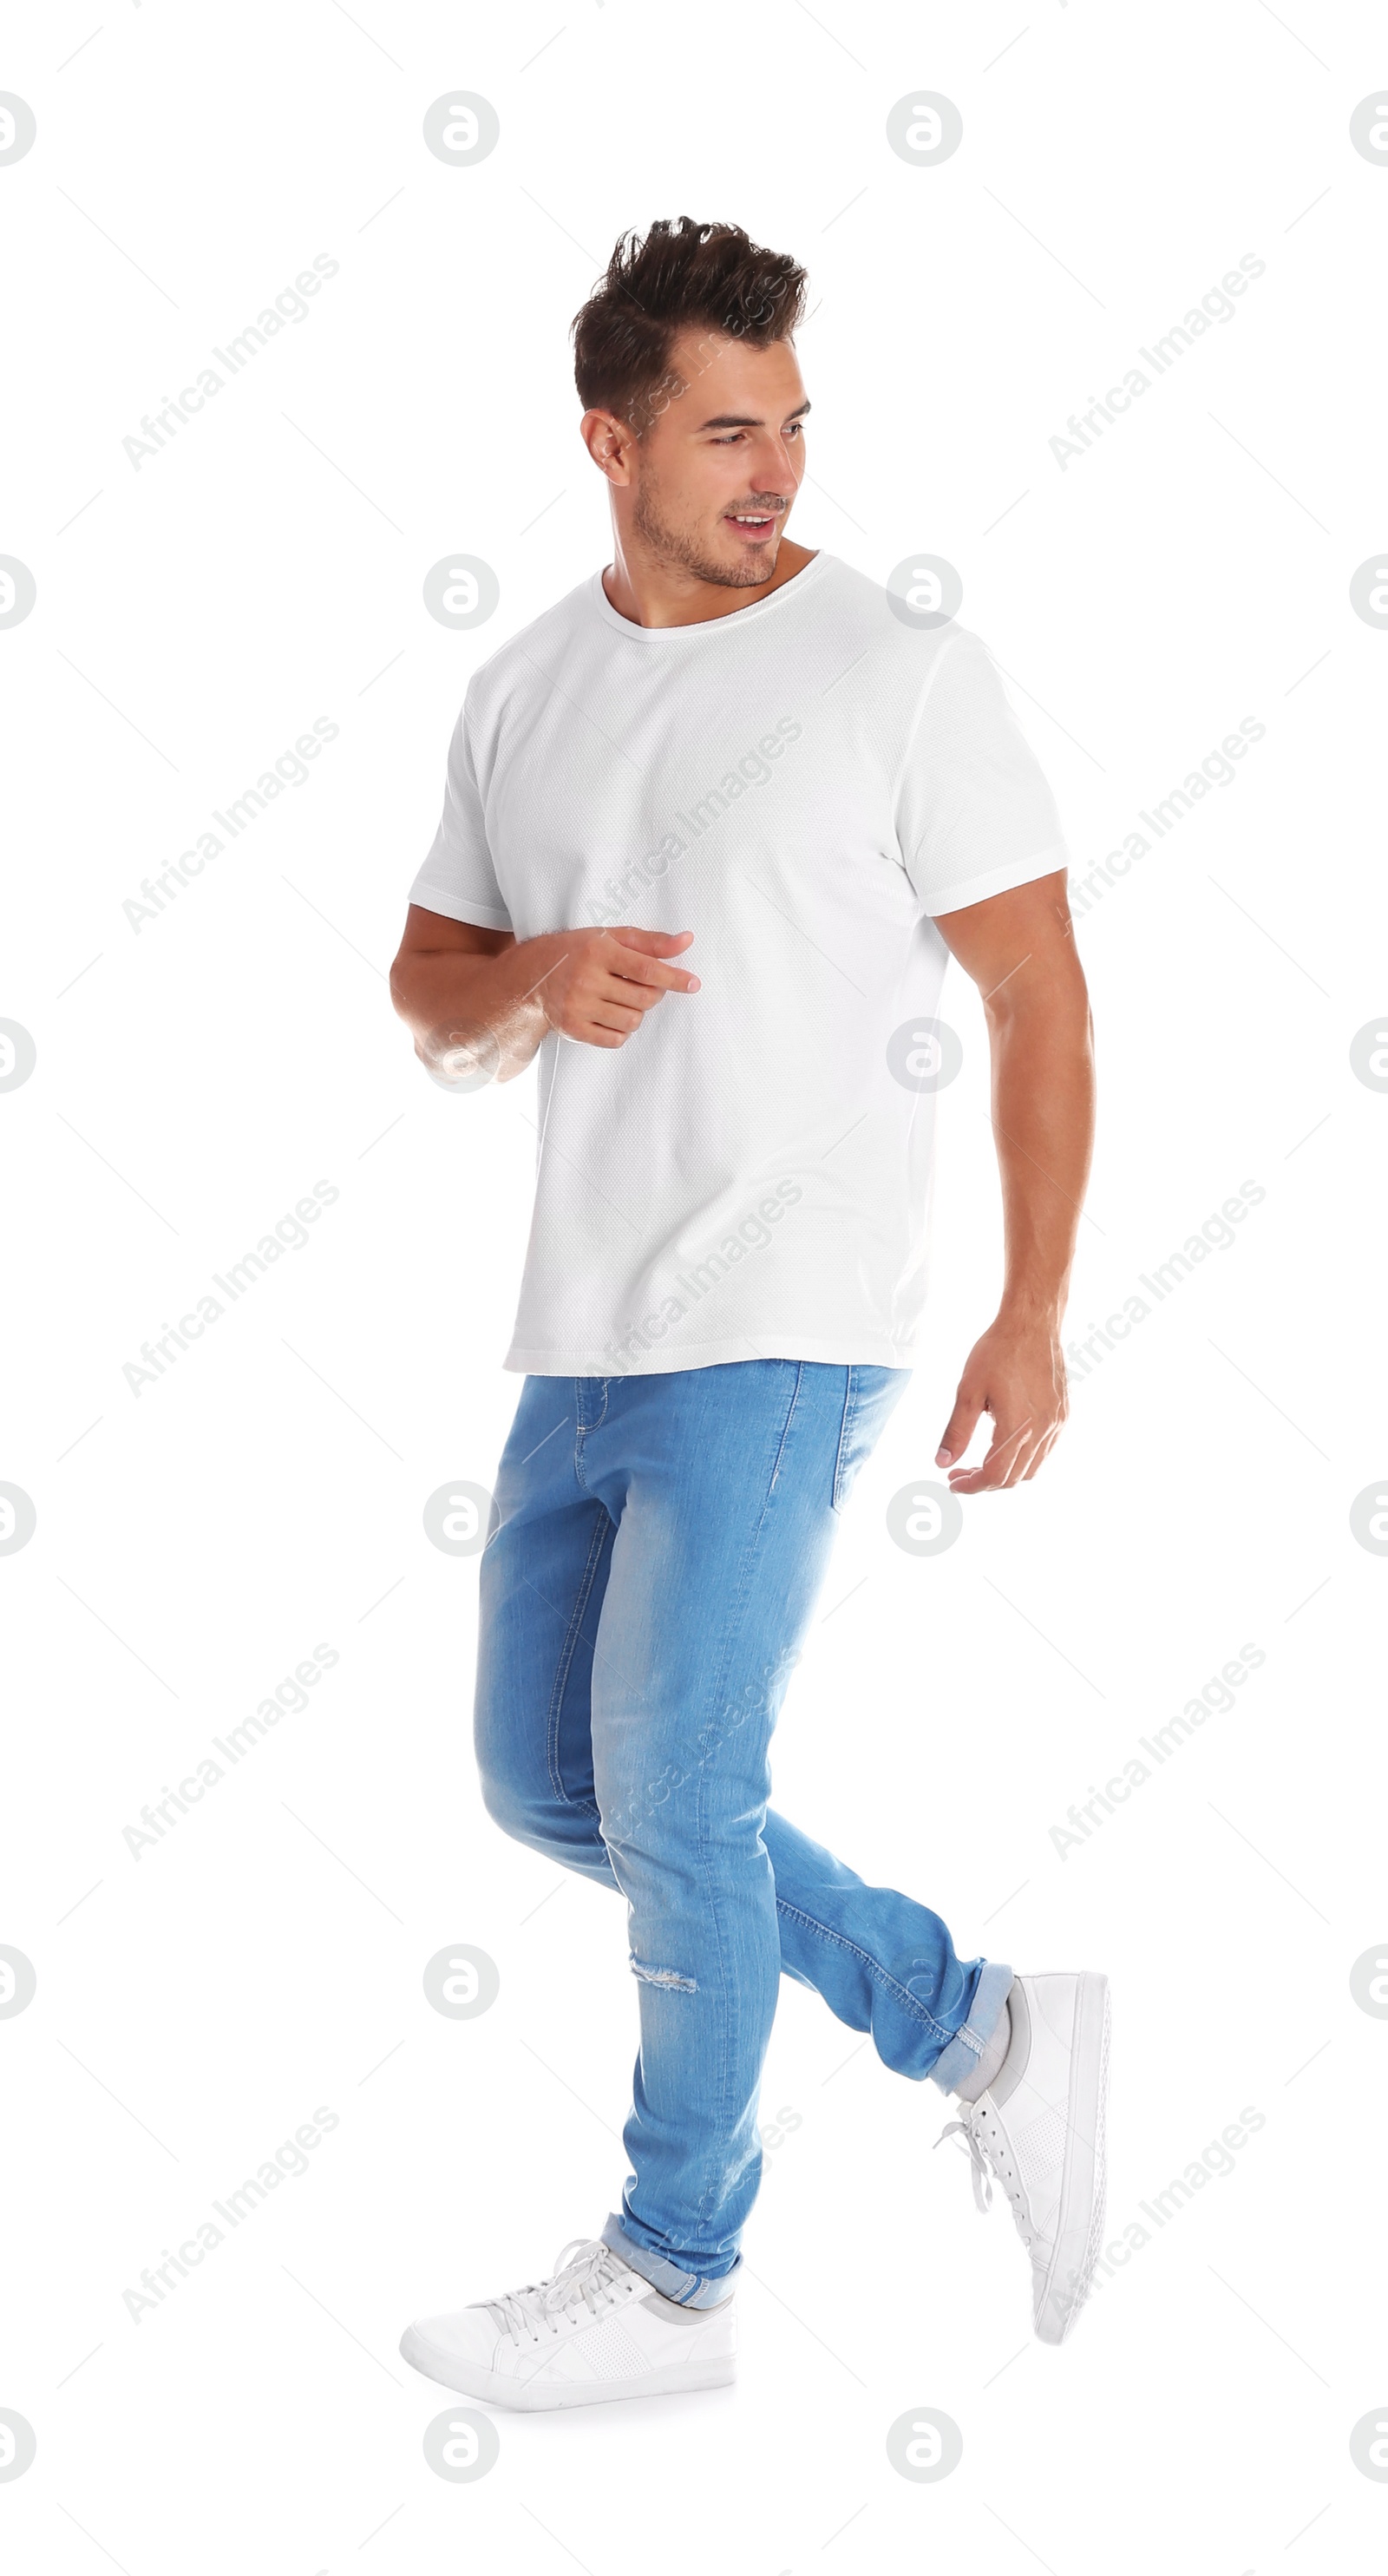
719, 466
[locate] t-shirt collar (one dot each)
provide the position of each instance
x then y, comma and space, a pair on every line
798, 583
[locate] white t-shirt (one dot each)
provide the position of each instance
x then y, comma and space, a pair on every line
803, 784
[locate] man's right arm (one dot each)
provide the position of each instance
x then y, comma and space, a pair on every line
476, 999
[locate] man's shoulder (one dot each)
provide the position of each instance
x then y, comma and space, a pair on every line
890, 634
532, 654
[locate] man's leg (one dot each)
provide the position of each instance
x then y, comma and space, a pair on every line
725, 1485
542, 1580
883, 1962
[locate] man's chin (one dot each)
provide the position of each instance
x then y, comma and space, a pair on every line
747, 567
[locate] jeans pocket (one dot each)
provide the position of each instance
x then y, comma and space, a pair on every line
868, 1398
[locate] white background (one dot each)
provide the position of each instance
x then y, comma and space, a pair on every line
196, 1076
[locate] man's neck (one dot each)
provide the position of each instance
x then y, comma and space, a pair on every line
657, 594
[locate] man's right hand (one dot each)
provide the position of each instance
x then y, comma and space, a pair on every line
480, 1002
600, 989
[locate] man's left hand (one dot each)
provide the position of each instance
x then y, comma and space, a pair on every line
1015, 1374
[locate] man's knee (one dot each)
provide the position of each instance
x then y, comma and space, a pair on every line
521, 1798
513, 1797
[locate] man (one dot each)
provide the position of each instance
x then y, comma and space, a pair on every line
723, 1288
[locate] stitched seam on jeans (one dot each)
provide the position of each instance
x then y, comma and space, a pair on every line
727, 1984
881, 1976
785, 1435
566, 1656
596, 1424
850, 1415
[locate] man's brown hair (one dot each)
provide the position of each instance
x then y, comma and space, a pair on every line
679, 277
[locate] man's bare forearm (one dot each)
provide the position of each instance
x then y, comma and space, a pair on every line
480, 1001
1043, 1121
462, 1008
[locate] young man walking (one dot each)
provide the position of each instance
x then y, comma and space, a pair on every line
713, 826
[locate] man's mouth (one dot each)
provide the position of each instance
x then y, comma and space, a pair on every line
754, 526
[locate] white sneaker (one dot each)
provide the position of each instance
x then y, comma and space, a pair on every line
596, 2330
1040, 2129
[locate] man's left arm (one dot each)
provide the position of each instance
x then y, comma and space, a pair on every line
1019, 949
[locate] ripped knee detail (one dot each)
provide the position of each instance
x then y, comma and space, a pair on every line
663, 1977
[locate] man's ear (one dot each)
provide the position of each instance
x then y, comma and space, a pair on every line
610, 443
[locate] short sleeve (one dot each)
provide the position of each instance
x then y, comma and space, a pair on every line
458, 878
974, 814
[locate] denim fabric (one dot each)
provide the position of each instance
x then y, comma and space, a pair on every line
661, 1543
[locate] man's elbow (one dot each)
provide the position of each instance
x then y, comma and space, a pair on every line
404, 990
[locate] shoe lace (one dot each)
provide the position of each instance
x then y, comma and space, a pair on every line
543, 2307
987, 2159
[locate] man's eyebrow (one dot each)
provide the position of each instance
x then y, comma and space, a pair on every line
741, 420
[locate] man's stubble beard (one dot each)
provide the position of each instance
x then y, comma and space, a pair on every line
678, 552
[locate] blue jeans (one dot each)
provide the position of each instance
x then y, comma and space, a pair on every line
662, 1541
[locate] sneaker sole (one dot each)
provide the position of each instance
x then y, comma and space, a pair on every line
1084, 2178
495, 2389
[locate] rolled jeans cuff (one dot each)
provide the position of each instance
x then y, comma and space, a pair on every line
957, 2061
687, 2289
